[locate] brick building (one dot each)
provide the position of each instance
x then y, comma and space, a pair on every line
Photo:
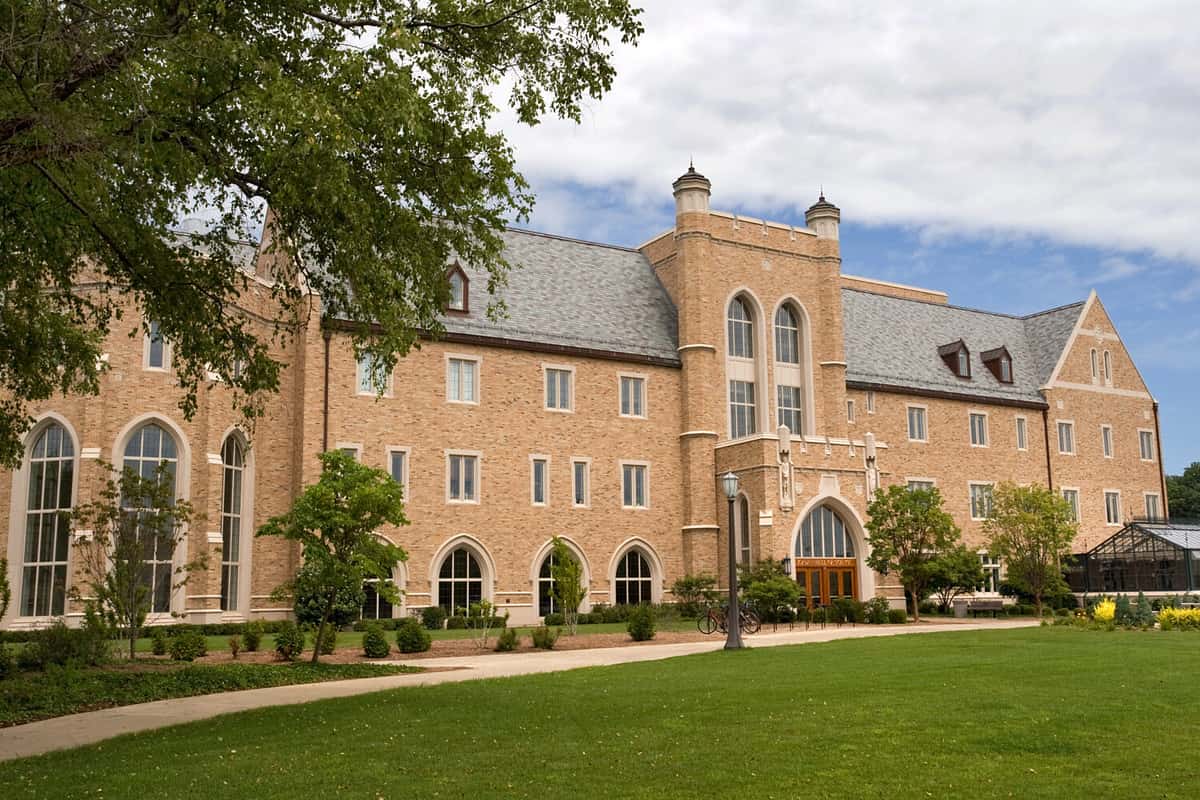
603, 408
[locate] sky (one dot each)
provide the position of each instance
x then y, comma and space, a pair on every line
1015, 155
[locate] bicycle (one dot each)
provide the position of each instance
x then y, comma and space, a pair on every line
715, 620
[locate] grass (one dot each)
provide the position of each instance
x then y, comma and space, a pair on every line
58, 691
1043, 712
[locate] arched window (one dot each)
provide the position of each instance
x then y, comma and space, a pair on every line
1108, 376
149, 447
787, 336
47, 532
743, 531
459, 298
460, 581
547, 602
634, 582
823, 535
234, 466
1095, 366
741, 329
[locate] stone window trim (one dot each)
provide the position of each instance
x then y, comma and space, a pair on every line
478, 483
1108, 370
406, 482
534, 458
1106, 440
482, 557
910, 480
994, 574
1070, 428
1143, 433
870, 402
645, 386
1095, 361
971, 415
452, 357
547, 369
924, 409
246, 549
621, 465
355, 446
147, 337
850, 411
455, 271
1157, 515
1108, 522
1021, 431
970, 486
651, 557
1062, 490
586, 461
360, 366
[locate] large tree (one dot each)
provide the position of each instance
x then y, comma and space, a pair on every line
1183, 493
1031, 529
955, 572
907, 531
366, 126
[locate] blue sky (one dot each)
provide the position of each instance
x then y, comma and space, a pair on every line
1014, 155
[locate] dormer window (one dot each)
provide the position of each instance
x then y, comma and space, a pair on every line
1000, 363
459, 299
957, 358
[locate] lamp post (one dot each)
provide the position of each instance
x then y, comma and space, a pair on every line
733, 618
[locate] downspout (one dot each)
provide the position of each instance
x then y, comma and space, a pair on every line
327, 335
1046, 438
1162, 470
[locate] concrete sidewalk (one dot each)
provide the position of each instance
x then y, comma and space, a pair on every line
75, 730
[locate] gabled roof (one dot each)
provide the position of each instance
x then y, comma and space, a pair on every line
894, 341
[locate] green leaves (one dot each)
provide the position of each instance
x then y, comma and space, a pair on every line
1032, 529
907, 529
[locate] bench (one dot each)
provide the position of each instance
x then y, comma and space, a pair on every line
978, 606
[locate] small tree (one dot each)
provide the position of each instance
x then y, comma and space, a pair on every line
335, 520
693, 592
956, 571
1031, 529
907, 530
569, 590
137, 525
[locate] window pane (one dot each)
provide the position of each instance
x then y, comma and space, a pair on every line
468, 469
397, 467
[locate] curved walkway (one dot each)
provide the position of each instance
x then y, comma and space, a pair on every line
76, 730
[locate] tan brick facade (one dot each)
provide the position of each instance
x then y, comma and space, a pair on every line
683, 441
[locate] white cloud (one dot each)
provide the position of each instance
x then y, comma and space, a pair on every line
1072, 120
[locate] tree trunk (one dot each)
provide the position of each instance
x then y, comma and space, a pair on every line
916, 604
1037, 603
321, 628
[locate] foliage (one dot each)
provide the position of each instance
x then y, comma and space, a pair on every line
544, 638
57, 645
569, 588
289, 641
954, 572
5, 588
1183, 493
187, 645
235, 645
433, 617
695, 593
68, 690
896, 616
877, 610
375, 643
8, 662
133, 520
1143, 612
334, 520
252, 635
456, 622
554, 618
412, 638
774, 596
326, 640
507, 640
1179, 619
907, 529
1031, 529
309, 598
367, 128
847, 609
482, 618
1105, 611
641, 623
158, 641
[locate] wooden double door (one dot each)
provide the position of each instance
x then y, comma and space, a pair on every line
826, 579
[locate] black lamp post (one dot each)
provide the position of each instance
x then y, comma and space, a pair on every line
733, 619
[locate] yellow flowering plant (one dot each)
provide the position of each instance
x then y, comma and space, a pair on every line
1105, 611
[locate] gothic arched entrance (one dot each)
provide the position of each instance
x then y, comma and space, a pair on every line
824, 560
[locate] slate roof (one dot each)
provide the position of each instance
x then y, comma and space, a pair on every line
571, 293
894, 341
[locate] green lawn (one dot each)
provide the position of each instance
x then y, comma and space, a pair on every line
1032, 713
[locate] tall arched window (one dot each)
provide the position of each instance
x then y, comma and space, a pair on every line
47, 532
547, 602
743, 530
233, 459
460, 581
823, 535
787, 336
741, 329
149, 447
634, 580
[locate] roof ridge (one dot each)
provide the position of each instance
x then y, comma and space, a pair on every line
1063, 307
511, 229
933, 303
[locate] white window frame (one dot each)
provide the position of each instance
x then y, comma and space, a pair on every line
388, 451
621, 465
1157, 505
1070, 423
1021, 431
1153, 456
1116, 492
359, 367
166, 348
1076, 506
870, 402
534, 460
908, 408
645, 385
849, 411
355, 446
971, 427
452, 357
994, 566
797, 410
1106, 440
908, 482
478, 456
587, 481
971, 500
570, 370
752, 414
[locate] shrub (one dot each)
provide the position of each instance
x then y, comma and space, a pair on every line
1143, 613
289, 641
927, 607
845, 609
433, 618
818, 615
877, 610
641, 623
456, 623
507, 640
252, 635
771, 595
235, 645
158, 642
59, 645
328, 642
1105, 611
8, 662
897, 616
1124, 612
544, 638
309, 598
1063, 612
554, 619
187, 645
375, 643
411, 637
1179, 618
694, 593
1047, 611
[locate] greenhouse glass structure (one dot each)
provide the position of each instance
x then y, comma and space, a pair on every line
1142, 557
